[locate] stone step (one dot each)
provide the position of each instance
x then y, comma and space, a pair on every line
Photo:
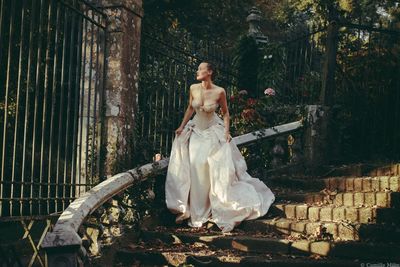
363, 184
329, 230
352, 169
307, 183
367, 199
361, 169
330, 212
340, 184
154, 257
246, 243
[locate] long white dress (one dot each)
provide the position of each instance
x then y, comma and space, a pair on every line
207, 177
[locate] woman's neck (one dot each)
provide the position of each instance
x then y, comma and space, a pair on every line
207, 84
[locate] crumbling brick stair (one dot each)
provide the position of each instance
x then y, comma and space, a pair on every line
334, 221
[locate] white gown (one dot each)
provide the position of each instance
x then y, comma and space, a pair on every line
207, 177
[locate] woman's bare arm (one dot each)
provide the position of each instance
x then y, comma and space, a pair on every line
189, 110
224, 107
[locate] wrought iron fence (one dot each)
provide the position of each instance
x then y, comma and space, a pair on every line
368, 91
51, 77
365, 82
169, 61
294, 67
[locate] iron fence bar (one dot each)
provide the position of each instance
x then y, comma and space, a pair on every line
307, 35
57, 41
88, 103
83, 15
47, 83
179, 50
36, 198
6, 107
74, 168
82, 99
19, 79
36, 123
101, 99
27, 103
44, 183
171, 57
61, 109
67, 139
96, 91
41, 46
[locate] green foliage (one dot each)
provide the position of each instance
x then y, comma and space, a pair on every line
217, 20
271, 68
246, 61
250, 114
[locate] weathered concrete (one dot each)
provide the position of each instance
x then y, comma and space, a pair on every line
268, 132
316, 150
64, 236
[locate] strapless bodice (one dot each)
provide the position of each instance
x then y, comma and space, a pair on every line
205, 115
205, 108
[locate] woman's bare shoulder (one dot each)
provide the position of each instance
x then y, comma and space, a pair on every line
194, 85
220, 89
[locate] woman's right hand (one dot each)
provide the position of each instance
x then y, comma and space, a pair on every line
179, 130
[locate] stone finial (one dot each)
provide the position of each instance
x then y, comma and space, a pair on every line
254, 19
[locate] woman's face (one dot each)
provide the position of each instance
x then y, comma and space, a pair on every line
202, 72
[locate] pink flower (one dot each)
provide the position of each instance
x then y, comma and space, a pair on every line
242, 92
269, 92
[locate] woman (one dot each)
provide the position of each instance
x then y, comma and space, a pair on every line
206, 177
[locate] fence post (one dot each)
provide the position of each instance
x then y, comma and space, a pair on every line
328, 72
122, 81
317, 142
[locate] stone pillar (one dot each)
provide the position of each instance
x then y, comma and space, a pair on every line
316, 148
254, 19
122, 81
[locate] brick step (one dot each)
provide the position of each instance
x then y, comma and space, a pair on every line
330, 212
163, 257
352, 169
246, 243
363, 184
307, 183
361, 169
331, 230
341, 184
368, 199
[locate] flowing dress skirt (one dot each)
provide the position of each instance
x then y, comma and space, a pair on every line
207, 179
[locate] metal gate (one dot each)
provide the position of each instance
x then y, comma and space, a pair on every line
52, 55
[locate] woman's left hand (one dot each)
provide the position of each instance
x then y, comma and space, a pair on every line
228, 137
